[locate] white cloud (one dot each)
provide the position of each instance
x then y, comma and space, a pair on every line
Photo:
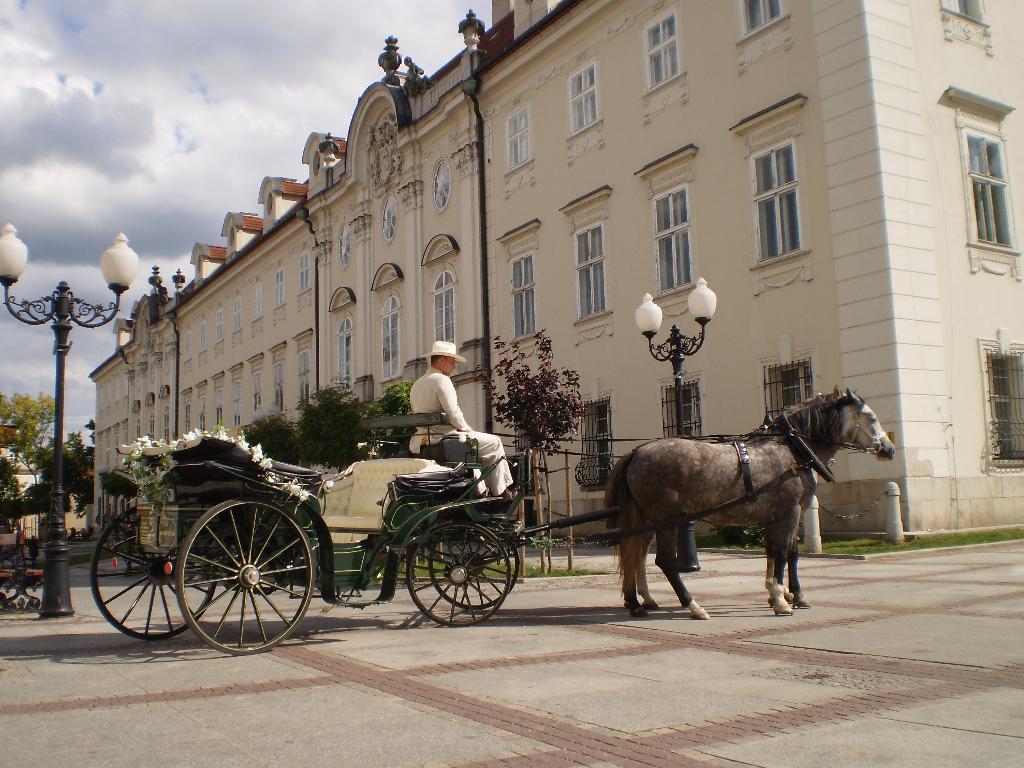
156, 119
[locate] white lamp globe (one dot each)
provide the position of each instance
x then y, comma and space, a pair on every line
648, 315
702, 301
13, 254
119, 263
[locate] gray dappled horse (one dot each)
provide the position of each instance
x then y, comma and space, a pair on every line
672, 479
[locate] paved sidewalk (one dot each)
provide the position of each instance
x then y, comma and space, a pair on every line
909, 661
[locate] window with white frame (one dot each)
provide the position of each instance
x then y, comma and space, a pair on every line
970, 8
257, 391
583, 98
775, 200
188, 419
786, 384
279, 288
989, 190
390, 365
518, 129
757, 13
345, 353
524, 319
279, 386
187, 346
596, 432
1006, 404
303, 272
218, 407
236, 402
218, 326
202, 412
672, 235
304, 375
152, 425
238, 314
691, 409
444, 307
662, 51
590, 271
167, 422
202, 335
257, 301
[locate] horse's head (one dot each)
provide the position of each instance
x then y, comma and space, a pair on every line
860, 427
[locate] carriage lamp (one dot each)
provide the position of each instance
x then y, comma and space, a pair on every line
702, 303
118, 264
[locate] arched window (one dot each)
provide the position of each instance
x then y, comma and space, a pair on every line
345, 353
444, 307
391, 365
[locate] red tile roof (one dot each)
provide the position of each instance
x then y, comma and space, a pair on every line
252, 223
218, 252
292, 187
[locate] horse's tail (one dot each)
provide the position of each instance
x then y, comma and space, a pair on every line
632, 551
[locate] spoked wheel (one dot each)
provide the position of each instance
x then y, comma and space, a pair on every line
133, 589
459, 574
259, 563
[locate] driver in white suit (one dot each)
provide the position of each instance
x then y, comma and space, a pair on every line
434, 392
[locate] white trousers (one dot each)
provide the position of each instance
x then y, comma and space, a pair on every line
491, 452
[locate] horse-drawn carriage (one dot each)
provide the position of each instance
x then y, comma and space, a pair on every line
235, 546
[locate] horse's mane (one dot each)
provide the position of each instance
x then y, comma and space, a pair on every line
819, 418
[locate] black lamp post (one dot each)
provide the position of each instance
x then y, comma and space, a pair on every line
62, 307
676, 349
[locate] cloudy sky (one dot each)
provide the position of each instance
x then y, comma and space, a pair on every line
156, 118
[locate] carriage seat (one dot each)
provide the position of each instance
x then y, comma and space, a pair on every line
353, 502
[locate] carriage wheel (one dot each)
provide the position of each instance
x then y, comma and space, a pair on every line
459, 573
259, 563
133, 589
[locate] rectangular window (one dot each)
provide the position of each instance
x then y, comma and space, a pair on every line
778, 221
345, 353
303, 272
218, 407
989, 190
279, 386
691, 410
672, 233
257, 301
662, 51
236, 402
279, 288
524, 320
583, 98
389, 338
785, 385
304, 375
257, 391
218, 326
238, 314
202, 413
167, 422
1006, 404
188, 419
594, 467
202, 335
590, 270
518, 129
187, 351
970, 8
760, 12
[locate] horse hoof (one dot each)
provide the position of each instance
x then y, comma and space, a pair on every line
789, 597
638, 611
650, 605
696, 612
783, 609
799, 602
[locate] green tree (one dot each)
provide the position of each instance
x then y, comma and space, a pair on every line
330, 428
278, 437
394, 402
12, 506
78, 475
33, 420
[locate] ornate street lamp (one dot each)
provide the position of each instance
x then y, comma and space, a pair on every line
676, 349
119, 264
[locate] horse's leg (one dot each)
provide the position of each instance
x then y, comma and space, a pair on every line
797, 596
776, 590
769, 573
667, 562
641, 588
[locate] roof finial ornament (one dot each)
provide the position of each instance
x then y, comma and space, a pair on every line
390, 61
179, 281
471, 29
415, 82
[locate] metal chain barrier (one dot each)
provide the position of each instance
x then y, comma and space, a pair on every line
855, 515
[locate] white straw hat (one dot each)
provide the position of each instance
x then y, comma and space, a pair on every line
447, 349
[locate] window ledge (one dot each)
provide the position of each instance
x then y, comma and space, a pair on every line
525, 165
763, 40
995, 260
756, 32
781, 271
594, 318
651, 90
586, 129
957, 26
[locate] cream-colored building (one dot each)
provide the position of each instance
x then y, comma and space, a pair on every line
842, 172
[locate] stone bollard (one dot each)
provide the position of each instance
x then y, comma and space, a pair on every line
812, 529
893, 519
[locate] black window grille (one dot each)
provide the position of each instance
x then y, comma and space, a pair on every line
596, 464
1006, 405
786, 384
691, 409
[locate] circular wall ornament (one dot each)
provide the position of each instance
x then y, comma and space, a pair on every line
442, 184
389, 218
345, 246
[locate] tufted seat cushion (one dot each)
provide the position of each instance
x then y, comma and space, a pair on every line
352, 503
